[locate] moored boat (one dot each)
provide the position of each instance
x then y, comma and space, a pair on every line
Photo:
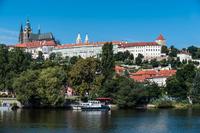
5, 107
94, 105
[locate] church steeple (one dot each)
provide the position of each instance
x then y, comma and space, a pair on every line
21, 28
39, 29
78, 39
27, 31
28, 26
21, 34
86, 39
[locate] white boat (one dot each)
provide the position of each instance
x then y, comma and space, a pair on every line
94, 105
5, 106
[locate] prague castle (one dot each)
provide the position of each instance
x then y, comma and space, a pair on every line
45, 42
26, 34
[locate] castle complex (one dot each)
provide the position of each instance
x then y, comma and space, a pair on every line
45, 42
26, 34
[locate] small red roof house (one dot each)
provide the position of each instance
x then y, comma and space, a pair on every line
158, 77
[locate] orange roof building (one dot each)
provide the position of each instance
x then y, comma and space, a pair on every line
158, 77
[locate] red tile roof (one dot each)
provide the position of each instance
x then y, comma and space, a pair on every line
167, 73
83, 44
134, 44
184, 52
142, 75
141, 78
36, 44
160, 37
147, 72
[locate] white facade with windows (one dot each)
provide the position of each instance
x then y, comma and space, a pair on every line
149, 51
84, 50
184, 56
159, 80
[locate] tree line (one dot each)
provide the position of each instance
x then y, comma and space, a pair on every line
39, 82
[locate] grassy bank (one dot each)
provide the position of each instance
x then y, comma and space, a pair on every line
160, 103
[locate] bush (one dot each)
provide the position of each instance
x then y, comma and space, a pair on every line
163, 103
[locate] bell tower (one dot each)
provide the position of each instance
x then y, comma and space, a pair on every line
161, 40
27, 31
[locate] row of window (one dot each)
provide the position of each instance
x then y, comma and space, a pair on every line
144, 50
150, 54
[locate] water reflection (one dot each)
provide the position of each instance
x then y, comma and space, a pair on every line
123, 121
88, 120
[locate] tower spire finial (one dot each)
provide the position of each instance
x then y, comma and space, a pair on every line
21, 28
86, 39
21, 34
39, 29
78, 39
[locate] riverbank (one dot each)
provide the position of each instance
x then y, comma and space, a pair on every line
174, 105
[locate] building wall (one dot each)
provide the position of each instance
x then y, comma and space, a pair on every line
83, 50
184, 57
160, 81
46, 50
147, 51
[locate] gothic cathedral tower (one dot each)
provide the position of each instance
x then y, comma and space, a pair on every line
27, 31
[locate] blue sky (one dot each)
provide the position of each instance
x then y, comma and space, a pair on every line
105, 20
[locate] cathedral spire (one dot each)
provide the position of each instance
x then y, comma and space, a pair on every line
39, 29
21, 34
86, 39
21, 28
78, 39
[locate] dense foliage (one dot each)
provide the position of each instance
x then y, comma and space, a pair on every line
40, 82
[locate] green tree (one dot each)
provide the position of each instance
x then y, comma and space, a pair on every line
73, 60
138, 60
19, 60
153, 91
119, 56
164, 49
195, 91
26, 86
129, 93
40, 57
180, 86
193, 50
173, 51
154, 63
83, 74
176, 89
107, 60
3, 66
164, 63
41, 87
51, 86
109, 88
52, 56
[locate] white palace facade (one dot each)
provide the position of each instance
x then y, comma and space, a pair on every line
148, 49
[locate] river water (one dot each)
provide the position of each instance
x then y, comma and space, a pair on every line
119, 121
